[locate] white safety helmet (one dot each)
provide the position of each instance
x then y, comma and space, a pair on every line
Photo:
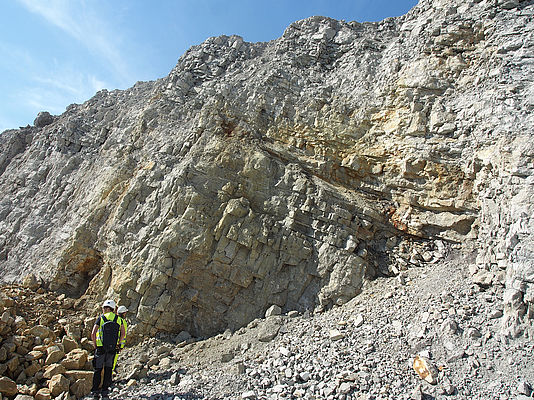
109, 303
122, 309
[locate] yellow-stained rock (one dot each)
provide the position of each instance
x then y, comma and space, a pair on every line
8, 387
43, 394
76, 359
425, 369
58, 384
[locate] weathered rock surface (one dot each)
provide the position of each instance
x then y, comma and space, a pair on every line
43, 118
402, 322
287, 172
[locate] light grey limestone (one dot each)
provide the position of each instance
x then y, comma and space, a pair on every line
287, 172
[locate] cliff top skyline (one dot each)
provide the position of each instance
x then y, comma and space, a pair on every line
63, 52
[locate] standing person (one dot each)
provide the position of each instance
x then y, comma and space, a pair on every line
106, 334
122, 310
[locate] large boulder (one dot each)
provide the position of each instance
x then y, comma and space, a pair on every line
23, 397
43, 118
75, 375
41, 331
32, 369
58, 384
81, 387
55, 354
69, 344
54, 369
8, 387
76, 359
43, 394
30, 281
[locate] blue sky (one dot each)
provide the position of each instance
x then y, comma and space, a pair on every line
57, 52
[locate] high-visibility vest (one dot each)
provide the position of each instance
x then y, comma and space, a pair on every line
122, 343
110, 316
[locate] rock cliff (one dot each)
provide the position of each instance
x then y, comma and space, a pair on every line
287, 172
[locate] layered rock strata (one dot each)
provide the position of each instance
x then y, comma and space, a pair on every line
286, 172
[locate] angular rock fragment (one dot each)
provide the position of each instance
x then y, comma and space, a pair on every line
425, 369
43, 118
8, 387
58, 384
273, 310
335, 334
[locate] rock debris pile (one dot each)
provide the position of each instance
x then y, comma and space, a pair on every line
318, 176
365, 349
45, 351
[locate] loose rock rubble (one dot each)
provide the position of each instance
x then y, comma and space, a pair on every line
44, 353
437, 314
365, 349
365, 188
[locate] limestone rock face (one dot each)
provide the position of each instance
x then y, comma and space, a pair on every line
286, 173
43, 118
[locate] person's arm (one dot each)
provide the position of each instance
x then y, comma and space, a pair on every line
123, 334
93, 333
122, 343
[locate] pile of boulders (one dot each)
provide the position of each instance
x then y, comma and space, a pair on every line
42, 353
405, 253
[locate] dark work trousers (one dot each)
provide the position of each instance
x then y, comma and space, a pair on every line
103, 361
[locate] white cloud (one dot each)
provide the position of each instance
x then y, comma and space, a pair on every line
83, 23
59, 89
34, 83
97, 84
60, 82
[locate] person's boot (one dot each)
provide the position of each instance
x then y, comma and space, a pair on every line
93, 395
